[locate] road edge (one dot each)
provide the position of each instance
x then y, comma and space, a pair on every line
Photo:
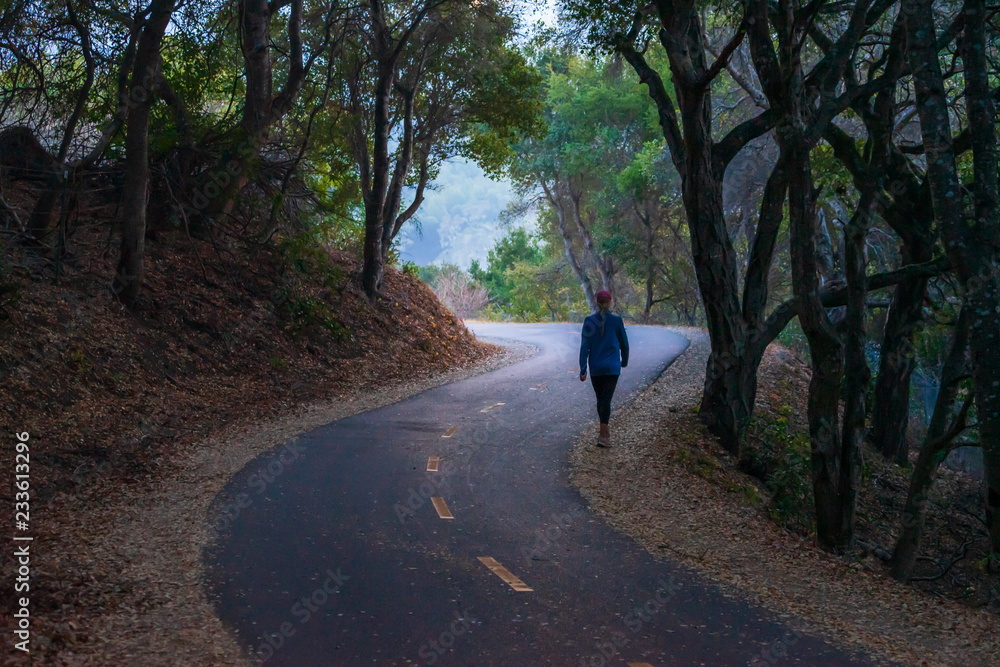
158, 534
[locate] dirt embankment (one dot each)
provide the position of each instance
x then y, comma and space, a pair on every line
135, 418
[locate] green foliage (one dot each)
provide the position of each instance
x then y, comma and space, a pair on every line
544, 291
516, 246
794, 339
504, 106
305, 312
781, 457
526, 302
339, 218
492, 313
830, 175
603, 155
305, 255
305, 263
410, 269
430, 273
77, 360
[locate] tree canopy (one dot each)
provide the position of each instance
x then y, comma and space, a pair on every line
756, 168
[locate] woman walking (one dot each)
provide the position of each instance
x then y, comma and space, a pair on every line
604, 346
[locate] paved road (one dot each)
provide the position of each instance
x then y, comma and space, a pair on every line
339, 555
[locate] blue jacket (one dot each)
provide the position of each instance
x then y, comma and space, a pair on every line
607, 354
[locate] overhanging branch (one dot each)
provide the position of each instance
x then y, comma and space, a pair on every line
832, 298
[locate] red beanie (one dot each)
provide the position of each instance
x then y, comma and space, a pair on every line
603, 295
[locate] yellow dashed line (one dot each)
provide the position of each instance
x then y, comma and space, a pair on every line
450, 432
432, 463
504, 574
495, 405
442, 509
639, 664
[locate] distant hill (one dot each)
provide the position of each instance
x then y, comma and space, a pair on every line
459, 219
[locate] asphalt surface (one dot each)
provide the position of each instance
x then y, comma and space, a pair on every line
331, 551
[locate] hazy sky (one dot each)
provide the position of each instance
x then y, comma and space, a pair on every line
458, 219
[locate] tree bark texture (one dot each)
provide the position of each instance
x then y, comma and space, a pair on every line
983, 236
932, 454
128, 275
857, 374
557, 200
261, 107
971, 237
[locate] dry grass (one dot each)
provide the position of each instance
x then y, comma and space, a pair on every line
665, 480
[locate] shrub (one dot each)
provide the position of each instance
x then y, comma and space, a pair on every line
463, 296
410, 269
781, 458
305, 255
304, 312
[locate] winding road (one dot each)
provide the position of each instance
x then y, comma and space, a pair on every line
443, 530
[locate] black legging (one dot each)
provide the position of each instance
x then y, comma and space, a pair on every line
604, 387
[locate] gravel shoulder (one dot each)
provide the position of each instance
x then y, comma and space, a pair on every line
665, 480
147, 540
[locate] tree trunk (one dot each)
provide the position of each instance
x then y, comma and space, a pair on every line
41, 215
553, 195
392, 218
911, 216
857, 374
261, 108
725, 406
581, 273
602, 263
650, 264
825, 347
891, 405
373, 266
692, 319
970, 243
726, 402
983, 283
128, 275
649, 298
375, 198
932, 454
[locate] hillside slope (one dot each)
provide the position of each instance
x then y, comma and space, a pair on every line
112, 398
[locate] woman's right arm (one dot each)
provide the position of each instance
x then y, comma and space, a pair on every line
623, 342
